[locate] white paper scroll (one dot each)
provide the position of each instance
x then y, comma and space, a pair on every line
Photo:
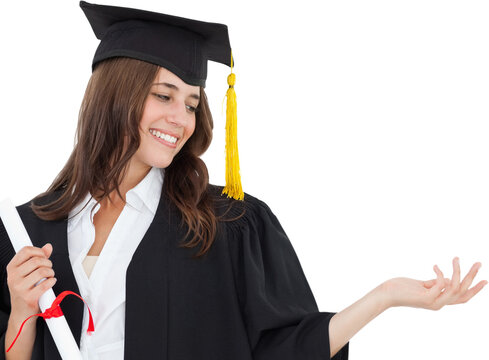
65, 342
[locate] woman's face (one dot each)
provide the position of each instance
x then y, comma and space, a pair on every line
168, 120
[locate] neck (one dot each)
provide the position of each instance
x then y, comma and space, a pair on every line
135, 173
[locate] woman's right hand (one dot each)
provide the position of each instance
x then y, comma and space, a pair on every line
24, 271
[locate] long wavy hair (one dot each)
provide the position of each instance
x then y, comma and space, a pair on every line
107, 136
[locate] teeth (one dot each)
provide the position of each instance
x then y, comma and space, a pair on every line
166, 137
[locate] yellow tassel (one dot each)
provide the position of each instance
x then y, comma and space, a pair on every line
233, 186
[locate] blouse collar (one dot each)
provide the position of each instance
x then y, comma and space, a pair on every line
146, 193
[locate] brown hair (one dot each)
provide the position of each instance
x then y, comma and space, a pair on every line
109, 113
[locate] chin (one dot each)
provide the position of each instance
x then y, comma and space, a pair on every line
162, 164
152, 158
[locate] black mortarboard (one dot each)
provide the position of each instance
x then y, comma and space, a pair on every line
180, 45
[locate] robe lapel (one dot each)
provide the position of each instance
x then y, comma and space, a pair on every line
72, 306
55, 232
146, 325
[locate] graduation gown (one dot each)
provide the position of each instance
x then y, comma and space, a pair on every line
246, 299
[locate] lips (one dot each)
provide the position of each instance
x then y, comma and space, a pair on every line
166, 132
165, 142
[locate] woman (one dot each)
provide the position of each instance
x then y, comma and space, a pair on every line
180, 271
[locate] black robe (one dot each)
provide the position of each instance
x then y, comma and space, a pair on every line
247, 298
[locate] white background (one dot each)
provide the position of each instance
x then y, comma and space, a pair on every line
363, 125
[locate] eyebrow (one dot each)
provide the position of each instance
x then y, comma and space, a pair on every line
174, 87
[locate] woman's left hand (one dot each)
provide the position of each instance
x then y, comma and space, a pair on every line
433, 294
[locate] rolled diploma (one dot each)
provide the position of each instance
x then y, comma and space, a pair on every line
65, 342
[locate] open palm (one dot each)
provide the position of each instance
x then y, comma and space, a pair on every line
436, 293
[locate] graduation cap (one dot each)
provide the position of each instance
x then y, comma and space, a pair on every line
183, 46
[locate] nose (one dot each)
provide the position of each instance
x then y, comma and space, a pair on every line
177, 113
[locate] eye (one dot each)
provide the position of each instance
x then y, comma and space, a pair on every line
162, 97
191, 108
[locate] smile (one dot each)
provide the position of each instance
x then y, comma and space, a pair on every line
166, 137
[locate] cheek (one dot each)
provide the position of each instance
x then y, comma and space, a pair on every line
145, 122
191, 128
150, 112
145, 144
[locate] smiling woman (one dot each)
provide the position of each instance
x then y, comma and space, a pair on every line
165, 104
168, 118
172, 268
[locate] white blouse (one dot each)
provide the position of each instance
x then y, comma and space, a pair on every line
102, 279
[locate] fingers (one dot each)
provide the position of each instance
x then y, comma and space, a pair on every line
456, 292
25, 254
47, 249
32, 279
439, 282
469, 278
29, 274
429, 284
455, 283
43, 287
469, 294
452, 289
442, 291
32, 264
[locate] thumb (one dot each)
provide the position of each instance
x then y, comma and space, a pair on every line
47, 249
430, 283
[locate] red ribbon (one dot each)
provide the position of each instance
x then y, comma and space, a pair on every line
55, 311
